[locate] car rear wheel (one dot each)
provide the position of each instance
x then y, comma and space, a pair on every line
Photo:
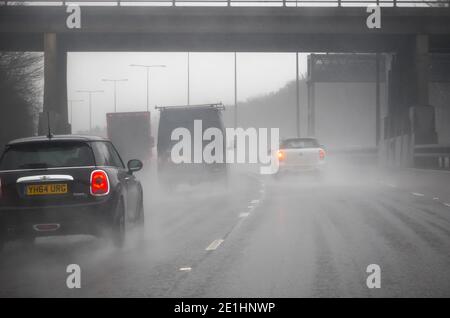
118, 227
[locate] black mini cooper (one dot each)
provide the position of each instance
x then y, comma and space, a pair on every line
67, 184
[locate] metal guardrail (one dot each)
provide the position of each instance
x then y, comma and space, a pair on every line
432, 156
252, 3
218, 106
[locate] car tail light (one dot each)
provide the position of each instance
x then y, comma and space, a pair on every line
280, 155
321, 154
99, 183
46, 227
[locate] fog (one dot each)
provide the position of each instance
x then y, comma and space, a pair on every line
179, 225
299, 233
265, 85
211, 79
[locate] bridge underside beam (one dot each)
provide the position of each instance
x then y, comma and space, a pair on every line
224, 42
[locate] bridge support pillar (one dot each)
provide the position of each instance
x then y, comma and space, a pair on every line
55, 86
311, 108
422, 69
311, 94
410, 116
421, 113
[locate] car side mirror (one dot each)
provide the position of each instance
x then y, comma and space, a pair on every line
134, 165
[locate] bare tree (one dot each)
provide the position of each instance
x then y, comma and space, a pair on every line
21, 75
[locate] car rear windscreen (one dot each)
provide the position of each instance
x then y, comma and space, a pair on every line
299, 143
53, 154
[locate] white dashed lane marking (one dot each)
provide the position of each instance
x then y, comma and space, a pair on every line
214, 245
185, 269
388, 184
418, 194
244, 215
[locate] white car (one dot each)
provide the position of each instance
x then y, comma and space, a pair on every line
301, 155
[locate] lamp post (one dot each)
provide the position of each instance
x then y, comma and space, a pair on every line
297, 95
147, 68
188, 79
90, 92
115, 88
71, 101
235, 92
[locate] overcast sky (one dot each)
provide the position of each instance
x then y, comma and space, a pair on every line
211, 79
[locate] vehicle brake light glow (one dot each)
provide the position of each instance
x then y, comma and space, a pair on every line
321, 154
280, 155
99, 183
46, 227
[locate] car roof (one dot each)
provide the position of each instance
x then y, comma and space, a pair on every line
57, 138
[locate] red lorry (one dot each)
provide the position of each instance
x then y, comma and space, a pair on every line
130, 132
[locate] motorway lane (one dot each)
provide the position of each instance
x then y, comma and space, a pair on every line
179, 228
283, 238
311, 239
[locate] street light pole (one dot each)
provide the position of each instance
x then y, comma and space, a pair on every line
71, 101
90, 92
297, 93
377, 99
147, 67
235, 92
147, 89
115, 88
90, 112
188, 79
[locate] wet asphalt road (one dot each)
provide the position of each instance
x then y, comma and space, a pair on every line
292, 237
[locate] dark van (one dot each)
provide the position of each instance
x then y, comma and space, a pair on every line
172, 117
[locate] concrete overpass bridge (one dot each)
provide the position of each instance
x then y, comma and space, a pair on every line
410, 31
268, 29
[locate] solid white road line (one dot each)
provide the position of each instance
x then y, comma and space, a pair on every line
214, 245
